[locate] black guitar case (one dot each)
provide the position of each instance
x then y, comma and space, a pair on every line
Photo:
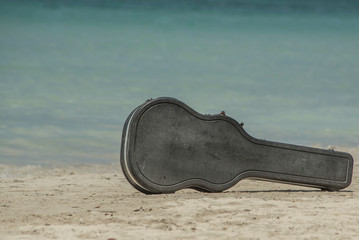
167, 146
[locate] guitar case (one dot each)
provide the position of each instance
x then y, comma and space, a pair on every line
167, 146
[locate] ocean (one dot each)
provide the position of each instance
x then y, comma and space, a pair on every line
72, 71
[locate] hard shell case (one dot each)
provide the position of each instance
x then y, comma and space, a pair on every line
167, 146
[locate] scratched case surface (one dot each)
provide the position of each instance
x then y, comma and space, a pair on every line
167, 146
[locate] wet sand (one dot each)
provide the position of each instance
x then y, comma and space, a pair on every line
96, 202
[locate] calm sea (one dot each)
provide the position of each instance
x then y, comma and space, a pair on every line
72, 71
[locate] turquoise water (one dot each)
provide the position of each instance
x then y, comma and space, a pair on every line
71, 71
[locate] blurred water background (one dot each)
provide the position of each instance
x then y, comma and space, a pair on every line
72, 71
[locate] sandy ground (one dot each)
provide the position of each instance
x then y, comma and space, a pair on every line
96, 202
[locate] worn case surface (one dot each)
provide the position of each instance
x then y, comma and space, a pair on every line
167, 146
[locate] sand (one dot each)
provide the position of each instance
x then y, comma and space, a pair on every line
96, 202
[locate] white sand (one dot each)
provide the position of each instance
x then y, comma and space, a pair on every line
96, 202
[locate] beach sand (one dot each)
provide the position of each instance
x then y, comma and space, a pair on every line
96, 202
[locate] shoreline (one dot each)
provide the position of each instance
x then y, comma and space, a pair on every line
96, 202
